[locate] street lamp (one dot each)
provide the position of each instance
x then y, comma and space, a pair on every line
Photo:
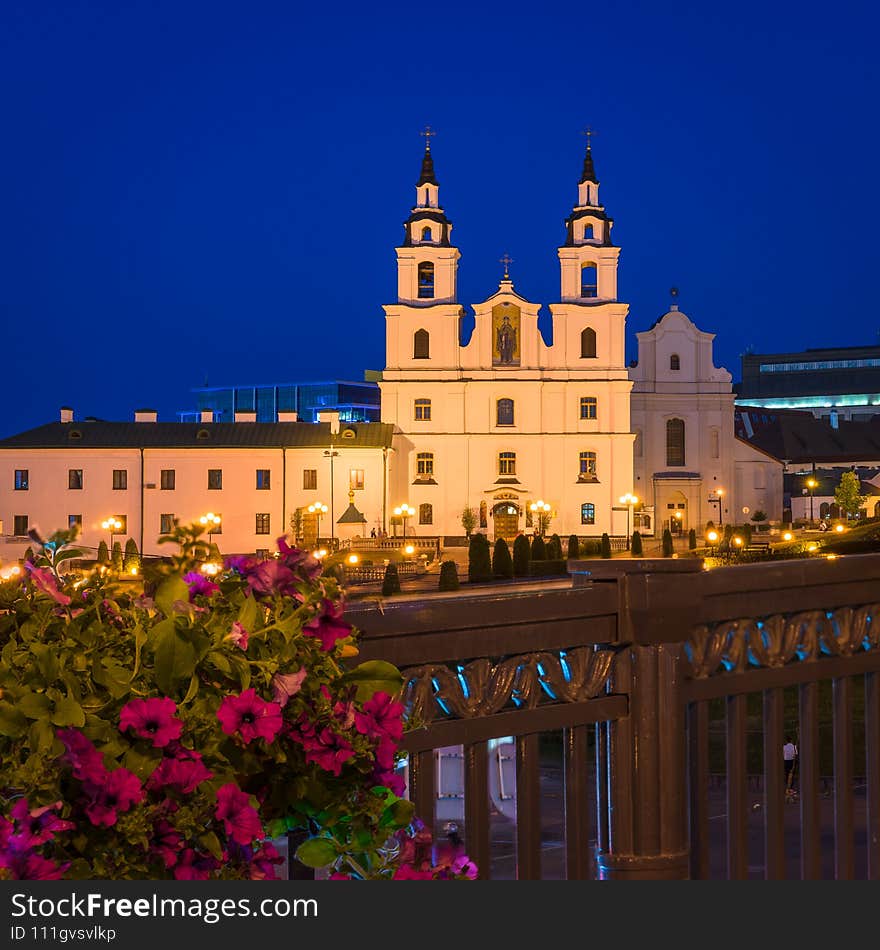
629, 500
678, 522
717, 500
331, 454
811, 484
212, 523
112, 525
542, 509
317, 509
712, 538
403, 512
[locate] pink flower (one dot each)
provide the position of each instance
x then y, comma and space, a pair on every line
45, 581
339, 876
406, 872
328, 626
36, 826
85, 760
195, 866
263, 862
464, 865
285, 685
29, 866
152, 719
240, 818
199, 584
238, 635
324, 747
273, 577
250, 717
166, 842
182, 773
119, 790
307, 566
382, 716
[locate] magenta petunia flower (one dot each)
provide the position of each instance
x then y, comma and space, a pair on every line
382, 716
166, 842
324, 747
238, 635
118, 792
152, 719
328, 625
85, 760
249, 717
285, 685
199, 585
273, 577
406, 872
264, 861
29, 866
182, 773
36, 826
239, 817
194, 866
45, 581
303, 562
240, 563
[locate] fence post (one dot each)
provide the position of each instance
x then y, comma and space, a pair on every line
643, 831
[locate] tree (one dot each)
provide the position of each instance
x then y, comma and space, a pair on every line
747, 535
479, 559
521, 553
132, 558
449, 576
117, 556
554, 548
391, 581
636, 544
692, 540
574, 546
468, 520
759, 516
605, 546
502, 564
103, 553
296, 524
539, 549
667, 543
847, 495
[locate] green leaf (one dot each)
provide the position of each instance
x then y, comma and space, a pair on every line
247, 616
12, 723
316, 853
140, 638
210, 842
374, 676
34, 705
193, 688
175, 657
68, 712
47, 661
41, 736
142, 763
401, 812
171, 589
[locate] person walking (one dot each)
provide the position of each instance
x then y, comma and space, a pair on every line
789, 757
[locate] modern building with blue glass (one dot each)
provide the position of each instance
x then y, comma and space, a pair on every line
355, 402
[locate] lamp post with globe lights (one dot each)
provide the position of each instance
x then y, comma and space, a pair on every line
542, 510
113, 525
403, 512
629, 500
317, 509
717, 498
212, 523
811, 483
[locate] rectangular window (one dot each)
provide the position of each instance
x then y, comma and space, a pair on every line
356, 479
166, 524
215, 479
587, 467
20, 525
422, 410
120, 479
262, 524
167, 479
263, 479
507, 463
425, 465
589, 407
426, 514
21, 479
75, 521
75, 478
262, 553
716, 443
310, 478
588, 513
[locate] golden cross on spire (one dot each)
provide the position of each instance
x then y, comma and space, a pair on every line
428, 133
589, 134
506, 260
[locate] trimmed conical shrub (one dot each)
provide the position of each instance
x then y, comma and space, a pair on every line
132, 558
521, 554
574, 546
502, 564
449, 576
636, 544
391, 581
539, 549
117, 556
692, 540
667, 543
554, 548
103, 553
479, 559
605, 548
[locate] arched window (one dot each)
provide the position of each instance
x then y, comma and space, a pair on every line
589, 281
426, 279
421, 345
425, 465
588, 232
588, 343
426, 234
422, 410
587, 467
426, 514
504, 412
589, 407
674, 362
507, 463
675, 442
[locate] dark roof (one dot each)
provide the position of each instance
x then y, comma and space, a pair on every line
589, 172
801, 437
85, 435
827, 481
351, 516
427, 176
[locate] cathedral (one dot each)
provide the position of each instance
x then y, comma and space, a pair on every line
503, 422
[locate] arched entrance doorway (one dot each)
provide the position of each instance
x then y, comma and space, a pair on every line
505, 517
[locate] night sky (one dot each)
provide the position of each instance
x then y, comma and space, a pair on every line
213, 192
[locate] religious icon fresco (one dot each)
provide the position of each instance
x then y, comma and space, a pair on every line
505, 335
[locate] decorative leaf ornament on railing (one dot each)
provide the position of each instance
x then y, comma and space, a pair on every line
484, 687
735, 645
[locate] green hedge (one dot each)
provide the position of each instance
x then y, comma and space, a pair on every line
547, 568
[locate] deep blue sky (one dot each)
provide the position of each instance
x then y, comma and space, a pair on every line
214, 191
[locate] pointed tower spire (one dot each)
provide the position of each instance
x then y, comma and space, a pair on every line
427, 176
589, 172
